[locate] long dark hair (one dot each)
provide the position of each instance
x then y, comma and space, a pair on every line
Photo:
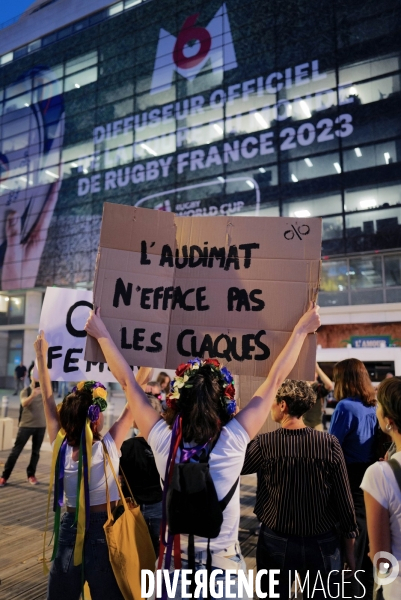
73, 414
200, 407
351, 380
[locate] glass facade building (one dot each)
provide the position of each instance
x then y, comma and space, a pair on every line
275, 108
208, 108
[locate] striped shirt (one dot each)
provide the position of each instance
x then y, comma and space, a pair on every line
303, 485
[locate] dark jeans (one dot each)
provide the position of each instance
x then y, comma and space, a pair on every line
65, 579
312, 557
152, 513
356, 472
19, 385
23, 435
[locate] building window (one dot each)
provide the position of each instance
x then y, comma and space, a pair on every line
361, 280
34, 45
12, 310
131, 3
116, 8
80, 79
373, 198
15, 350
313, 206
334, 283
392, 270
6, 58
373, 230
365, 157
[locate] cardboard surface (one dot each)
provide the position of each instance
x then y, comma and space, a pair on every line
171, 288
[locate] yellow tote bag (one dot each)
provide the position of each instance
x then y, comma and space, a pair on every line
128, 540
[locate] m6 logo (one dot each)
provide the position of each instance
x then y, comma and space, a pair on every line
190, 33
194, 46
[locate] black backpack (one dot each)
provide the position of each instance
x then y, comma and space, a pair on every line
193, 508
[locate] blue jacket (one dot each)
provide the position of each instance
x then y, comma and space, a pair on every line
355, 426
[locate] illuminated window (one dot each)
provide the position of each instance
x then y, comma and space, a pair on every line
315, 206
81, 62
6, 58
34, 45
80, 79
12, 309
369, 69
131, 3
116, 8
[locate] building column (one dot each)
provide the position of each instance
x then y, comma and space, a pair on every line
33, 307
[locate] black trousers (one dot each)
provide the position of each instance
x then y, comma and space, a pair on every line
23, 435
356, 472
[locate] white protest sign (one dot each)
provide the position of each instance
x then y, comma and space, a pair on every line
63, 317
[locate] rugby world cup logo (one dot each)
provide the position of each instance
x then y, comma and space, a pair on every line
193, 47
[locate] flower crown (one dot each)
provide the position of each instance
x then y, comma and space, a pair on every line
99, 395
184, 373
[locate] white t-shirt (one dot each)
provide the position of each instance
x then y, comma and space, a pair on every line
97, 482
379, 481
226, 462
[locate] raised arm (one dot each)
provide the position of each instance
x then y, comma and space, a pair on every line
121, 427
26, 399
49, 404
144, 415
328, 384
143, 376
256, 412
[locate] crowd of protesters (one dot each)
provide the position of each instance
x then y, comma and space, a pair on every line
327, 501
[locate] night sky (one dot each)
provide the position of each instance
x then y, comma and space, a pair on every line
10, 9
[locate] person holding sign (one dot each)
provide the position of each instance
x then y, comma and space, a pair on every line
200, 426
73, 427
31, 424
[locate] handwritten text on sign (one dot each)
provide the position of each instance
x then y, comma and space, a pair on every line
63, 317
174, 288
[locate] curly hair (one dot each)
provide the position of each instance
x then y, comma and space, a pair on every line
203, 413
351, 380
389, 398
298, 395
73, 413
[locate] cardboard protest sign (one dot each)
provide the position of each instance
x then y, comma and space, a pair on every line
172, 288
63, 317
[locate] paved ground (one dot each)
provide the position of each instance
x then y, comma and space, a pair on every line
23, 517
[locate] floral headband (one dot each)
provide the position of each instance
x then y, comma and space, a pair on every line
184, 373
99, 395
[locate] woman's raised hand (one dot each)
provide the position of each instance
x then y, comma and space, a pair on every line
144, 375
95, 326
310, 321
41, 345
